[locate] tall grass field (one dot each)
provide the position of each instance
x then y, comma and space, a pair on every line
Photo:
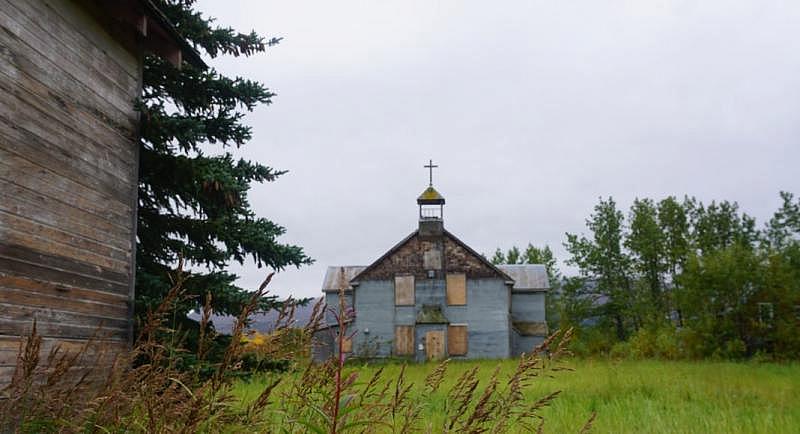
637, 396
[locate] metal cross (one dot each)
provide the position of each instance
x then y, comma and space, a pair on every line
430, 166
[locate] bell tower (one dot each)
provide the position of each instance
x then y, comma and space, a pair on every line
431, 208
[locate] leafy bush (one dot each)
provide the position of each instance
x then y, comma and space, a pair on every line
656, 342
732, 349
592, 341
620, 350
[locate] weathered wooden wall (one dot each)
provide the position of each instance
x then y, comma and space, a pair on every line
528, 320
486, 316
67, 177
431, 271
528, 306
438, 284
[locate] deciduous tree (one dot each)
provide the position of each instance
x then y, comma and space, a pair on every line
603, 259
647, 245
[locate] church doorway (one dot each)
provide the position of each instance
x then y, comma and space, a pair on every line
434, 345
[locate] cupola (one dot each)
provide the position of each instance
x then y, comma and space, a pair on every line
431, 207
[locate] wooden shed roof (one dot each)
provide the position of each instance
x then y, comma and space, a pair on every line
337, 278
154, 31
528, 277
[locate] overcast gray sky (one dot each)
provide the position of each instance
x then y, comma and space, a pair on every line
532, 109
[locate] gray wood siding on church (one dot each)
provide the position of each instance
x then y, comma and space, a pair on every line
527, 307
375, 312
480, 318
486, 315
332, 301
523, 344
68, 155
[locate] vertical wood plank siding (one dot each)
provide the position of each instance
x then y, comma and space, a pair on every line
67, 178
457, 340
404, 340
404, 290
434, 345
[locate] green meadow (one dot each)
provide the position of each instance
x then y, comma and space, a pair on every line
637, 396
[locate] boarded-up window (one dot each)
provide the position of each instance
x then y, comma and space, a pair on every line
404, 290
432, 259
347, 345
457, 340
456, 289
404, 340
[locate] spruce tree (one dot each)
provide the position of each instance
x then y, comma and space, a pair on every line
192, 192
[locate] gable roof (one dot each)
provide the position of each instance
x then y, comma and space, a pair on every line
479, 256
528, 277
338, 278
396, 247
500, 273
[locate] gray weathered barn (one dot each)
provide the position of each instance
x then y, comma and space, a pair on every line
70, 73
431, 296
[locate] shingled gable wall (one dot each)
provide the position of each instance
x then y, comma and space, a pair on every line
407, 259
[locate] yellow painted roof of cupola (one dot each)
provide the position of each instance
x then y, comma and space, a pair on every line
430, 196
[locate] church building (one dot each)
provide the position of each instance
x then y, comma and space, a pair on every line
431, 296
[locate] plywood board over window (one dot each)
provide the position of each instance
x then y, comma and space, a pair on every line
457, 340
347, 345
432, 259
404, 340
404, 290
456, 289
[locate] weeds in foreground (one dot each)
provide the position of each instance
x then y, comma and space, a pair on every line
144, 390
